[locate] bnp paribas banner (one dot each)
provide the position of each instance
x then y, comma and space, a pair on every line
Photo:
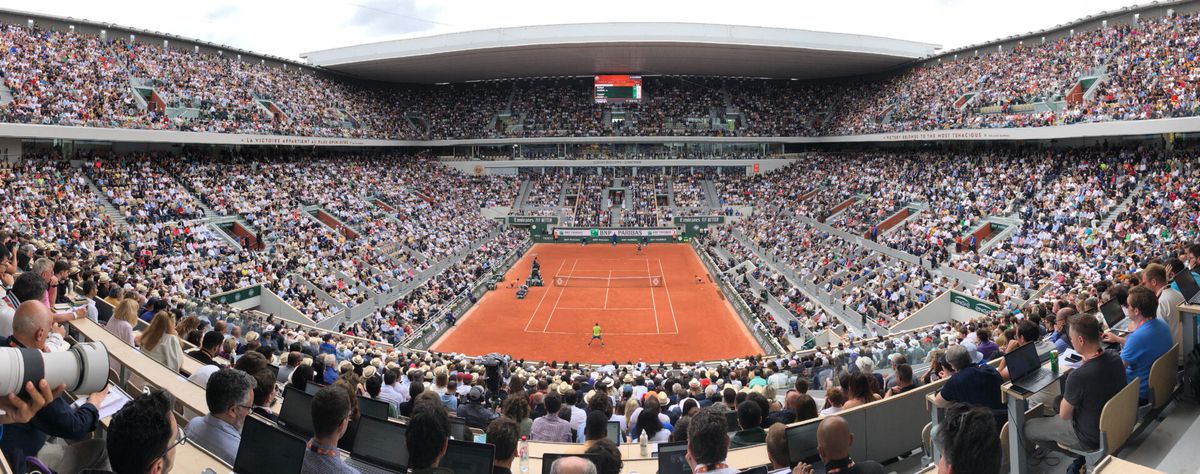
601, 232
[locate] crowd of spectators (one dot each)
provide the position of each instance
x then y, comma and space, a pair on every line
66, 78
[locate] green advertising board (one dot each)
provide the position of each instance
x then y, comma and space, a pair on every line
237, 295
530, 220
696, 224
538, 225
972, 303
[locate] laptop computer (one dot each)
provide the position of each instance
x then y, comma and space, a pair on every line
549, 458
377, 409
465, 457
265, 449
762, 469
614, 432
379, 446
1188, 286
311, 388
672, 458
801, 443
1113, 315
295, 415
1026, 371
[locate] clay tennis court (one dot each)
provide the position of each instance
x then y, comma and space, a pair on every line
649, 306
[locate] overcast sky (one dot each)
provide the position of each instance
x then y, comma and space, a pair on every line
288, 28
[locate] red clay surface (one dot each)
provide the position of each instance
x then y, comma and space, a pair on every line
681, 320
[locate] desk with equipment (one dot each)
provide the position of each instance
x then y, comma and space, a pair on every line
1028, 380
740, 458
189, 398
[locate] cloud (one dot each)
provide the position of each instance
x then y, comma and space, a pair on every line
222, 12
392, 17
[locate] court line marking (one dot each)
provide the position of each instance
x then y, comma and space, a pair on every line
605, 309
652, 302
606, 288
668, 290
547, 292
609, 333
560, 293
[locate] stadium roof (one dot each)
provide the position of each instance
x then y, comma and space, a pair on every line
638, 48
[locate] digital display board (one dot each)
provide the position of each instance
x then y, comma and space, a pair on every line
618, 88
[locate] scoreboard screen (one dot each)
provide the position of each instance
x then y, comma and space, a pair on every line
618, 88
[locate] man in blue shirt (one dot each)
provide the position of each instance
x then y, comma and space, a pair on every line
230, 397
1150, 339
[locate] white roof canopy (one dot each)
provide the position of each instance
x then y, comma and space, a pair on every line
637, 48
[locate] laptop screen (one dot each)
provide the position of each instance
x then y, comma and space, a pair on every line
311, 388
382, 443
614, 432
1187, 284
763, 469
267, 450
1022, 361
458, 429
672, 458
465, 457
549, 458
296, 412
801, 442
377, 409
1112, 312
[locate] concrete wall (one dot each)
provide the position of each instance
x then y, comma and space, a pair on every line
271, 303
10, 150
1153, 129
934, 312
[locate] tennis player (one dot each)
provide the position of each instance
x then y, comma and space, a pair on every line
596, 335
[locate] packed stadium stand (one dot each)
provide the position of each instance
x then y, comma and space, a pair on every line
270, 253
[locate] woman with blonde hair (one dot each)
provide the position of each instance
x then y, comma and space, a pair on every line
631, 406
160, 341
122, 321
228, 349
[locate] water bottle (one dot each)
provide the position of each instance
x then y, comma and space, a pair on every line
645, 448
523, 450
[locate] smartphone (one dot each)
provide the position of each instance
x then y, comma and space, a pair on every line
1073, 358
1119, 332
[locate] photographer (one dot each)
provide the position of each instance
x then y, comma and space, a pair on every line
16, 410
31, 328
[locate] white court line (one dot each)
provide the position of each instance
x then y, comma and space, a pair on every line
561, 308
668, 288
606, 333
560, 293
652, 302
606, 288
539, 305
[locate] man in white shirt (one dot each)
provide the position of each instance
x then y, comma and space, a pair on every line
1169, 299
387, 392
88, 288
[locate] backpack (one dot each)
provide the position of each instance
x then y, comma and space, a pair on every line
1191, 374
